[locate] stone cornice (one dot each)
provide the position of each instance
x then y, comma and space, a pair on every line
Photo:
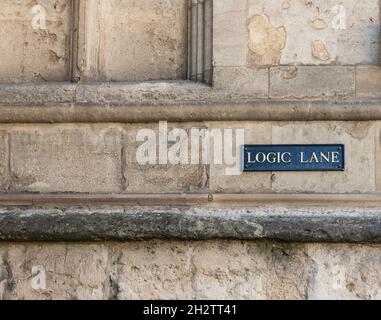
146, 223
283, 217
176, 102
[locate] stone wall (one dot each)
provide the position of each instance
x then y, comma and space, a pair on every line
261, 49
191, 270
68, 127
101, 158
125, 40
296, 49
28, 54
145, 40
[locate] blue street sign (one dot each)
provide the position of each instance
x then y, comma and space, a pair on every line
324, 157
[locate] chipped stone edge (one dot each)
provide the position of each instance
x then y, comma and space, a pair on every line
361, 225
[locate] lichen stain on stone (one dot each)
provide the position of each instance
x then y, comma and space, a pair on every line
318, 24
290, 73
320, 51
357, 130
265, 42
53, 56
308, 3
286, 5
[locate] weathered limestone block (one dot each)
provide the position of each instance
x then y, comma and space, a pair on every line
102, 159
143, 92
359, 176
66, 271
241, 81
220, 181
265, 271
167, 275
31, 54
66, 159
226, 6
190, 270
230, 37
144, 40
350, 30
156, 177
368, 82
358, 138
344, 272
313, 82
37, 94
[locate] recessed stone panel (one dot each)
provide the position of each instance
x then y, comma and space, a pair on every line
66, 159
161, 177
144, 40
32, 50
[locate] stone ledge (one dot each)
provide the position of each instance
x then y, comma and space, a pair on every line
194, 199
178, 101
146, 223
186, 111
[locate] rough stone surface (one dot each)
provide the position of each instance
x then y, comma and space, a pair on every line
242, 81
282, 50
27, 54
271, 33
220, 182
101, 158
358, 138
191, 270
359, 176
75, 273
226, 6
144, 40
368, 82
351, 36
65, 159
309, 224
229, 38
339, 275
255, 34
313, 82
161, 178
65, 102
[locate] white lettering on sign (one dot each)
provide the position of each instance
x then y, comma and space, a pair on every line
271, 157
323, 157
